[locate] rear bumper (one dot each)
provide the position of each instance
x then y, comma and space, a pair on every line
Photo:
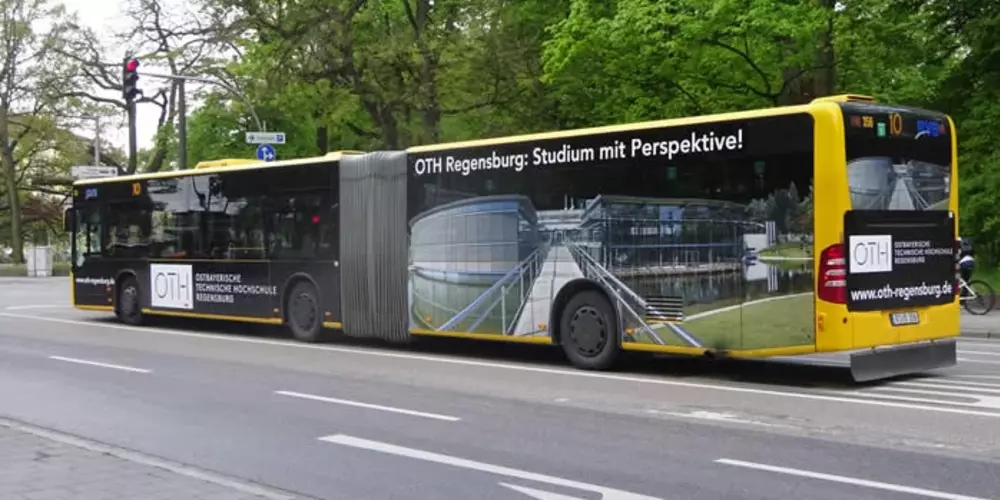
904, 359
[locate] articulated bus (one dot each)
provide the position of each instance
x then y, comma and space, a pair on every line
825, 227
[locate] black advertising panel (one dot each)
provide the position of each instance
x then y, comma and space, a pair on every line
898, 259
660, 145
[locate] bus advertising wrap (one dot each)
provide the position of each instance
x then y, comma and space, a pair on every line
899, 259
700, 234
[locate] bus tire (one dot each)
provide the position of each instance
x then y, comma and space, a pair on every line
128, 306
588, 331
302, 312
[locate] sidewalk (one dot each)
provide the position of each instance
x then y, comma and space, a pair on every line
37, 464
985, 326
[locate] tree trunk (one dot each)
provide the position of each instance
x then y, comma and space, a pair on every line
322, 139
825, 79
10, 181
431, 107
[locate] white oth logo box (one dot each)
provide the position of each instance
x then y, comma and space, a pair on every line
171, 286
869, 253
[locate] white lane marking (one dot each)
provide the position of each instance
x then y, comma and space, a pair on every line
898, 488
983, 341
427, 456
971, 387
978, 361
36, 306
539, 494
369, 406
969, 375
712, 416
102, 365
992, 402
829, 396
979, 353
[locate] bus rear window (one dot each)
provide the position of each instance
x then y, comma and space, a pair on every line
897, 159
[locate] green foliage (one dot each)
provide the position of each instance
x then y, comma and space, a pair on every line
366, 74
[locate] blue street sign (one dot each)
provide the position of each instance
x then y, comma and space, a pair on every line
265, 152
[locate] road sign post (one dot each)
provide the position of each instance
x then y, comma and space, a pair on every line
265, 137
265, 152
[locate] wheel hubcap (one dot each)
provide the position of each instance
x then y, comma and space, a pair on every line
304, 311
130, 300
589, 331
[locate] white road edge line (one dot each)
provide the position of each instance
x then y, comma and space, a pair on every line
427, 456
370, 406
102, 365
832, 397
35, 306
978, 361
847, 480
979, 353
980, 340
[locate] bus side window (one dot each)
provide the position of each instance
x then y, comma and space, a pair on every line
88, 234
128, 231
298, 223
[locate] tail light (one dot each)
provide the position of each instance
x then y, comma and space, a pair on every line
833, 274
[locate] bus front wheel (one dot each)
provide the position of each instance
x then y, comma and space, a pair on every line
302, 312
588, 331
127, 307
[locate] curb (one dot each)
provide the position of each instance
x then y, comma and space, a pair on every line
241, 485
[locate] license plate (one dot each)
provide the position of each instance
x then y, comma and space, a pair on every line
904, 318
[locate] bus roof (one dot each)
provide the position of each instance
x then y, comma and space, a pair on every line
221, 166
819, 102
230, 165
670, 122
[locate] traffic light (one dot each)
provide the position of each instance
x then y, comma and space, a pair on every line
130, 80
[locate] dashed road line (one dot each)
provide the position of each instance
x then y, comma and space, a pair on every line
100, 364
359, 404
898, 488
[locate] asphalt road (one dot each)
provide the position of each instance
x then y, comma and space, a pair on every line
484, 421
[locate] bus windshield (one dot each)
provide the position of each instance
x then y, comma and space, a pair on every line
897, 159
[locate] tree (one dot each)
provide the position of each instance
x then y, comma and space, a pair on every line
162, 33
971, 94
636, 60
29, 79
366, 74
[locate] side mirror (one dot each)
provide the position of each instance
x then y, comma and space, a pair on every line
69, 220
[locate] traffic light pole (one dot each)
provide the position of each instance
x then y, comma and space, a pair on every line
133, 160
182, 126
129, 90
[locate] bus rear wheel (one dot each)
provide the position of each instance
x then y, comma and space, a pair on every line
128, 308
302, 312
589, 331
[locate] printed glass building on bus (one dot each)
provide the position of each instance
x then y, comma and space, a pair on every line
495, 264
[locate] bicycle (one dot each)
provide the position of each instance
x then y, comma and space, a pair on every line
968, 295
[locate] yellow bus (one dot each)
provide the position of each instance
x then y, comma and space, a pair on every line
794, 230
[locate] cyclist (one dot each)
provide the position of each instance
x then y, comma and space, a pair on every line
966, 259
